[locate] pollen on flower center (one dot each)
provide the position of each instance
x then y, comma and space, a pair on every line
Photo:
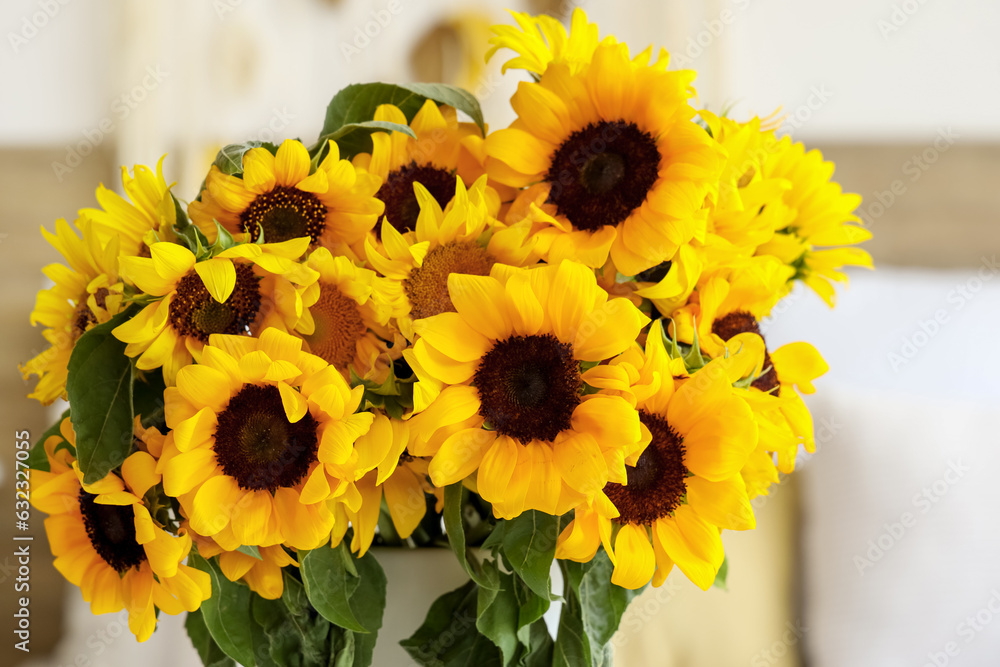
256, 444
339, 327
401, 207
602, 173
111, 529
528, 387
194, 312
739, 322
427, 285
285, 213
656, 484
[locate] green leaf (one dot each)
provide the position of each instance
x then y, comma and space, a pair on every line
356, 105
347, 592
227, 613
294, 634
454, 504
529, 544
37, 458
539, 651
448, 636
497, 613
572, 648
250, 550
99, 387
210, 653
720, 577
362, 136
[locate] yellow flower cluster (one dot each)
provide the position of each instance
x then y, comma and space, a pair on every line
561, 315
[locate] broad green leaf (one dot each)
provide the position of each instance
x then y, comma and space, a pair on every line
356, 105
448, 636
454, 504
37, 459
227, 613
529, 545
294, 634
572, 648
539, 651
209, 652
347, 592
99, 387
497, 613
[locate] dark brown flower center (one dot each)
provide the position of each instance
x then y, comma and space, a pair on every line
401, 207
111, 529
656, 485
529, 387
195, 312
427, 285
83, 319
338, 327
256, 444
284, 213
602, 173
739, 322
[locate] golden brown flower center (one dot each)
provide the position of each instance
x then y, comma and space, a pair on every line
195, 312
529, 387
741, 321
401, 207
256, 444
111, 529
656, 484
427, 285
284, 213
339, 327
602, 173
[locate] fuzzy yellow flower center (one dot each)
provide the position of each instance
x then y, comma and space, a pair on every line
656, 484
285, 213
194, 312
401, 207
256, 445
339, 327
739, 322
528, 387
602, 173
427, 285
111, 529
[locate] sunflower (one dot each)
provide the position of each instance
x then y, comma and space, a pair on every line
400, 478
263, 575
542, 40
611, 159
345, 317
148, 208
281, 195
263, 435
242, 290
443, 149
86, 293
106, 542
685, 485
819, 224
502, 382
731, 300
464, 237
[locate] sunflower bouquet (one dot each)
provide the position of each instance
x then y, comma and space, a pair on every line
537, 346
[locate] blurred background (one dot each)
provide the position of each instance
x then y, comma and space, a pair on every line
884, 550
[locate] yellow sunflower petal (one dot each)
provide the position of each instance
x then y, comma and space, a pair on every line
635, 561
